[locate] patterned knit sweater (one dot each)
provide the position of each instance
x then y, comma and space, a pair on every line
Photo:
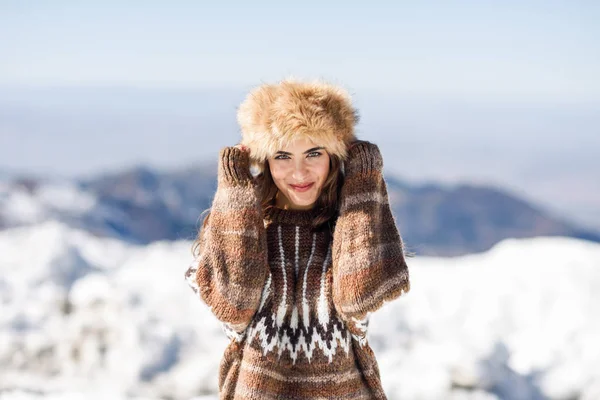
295, 301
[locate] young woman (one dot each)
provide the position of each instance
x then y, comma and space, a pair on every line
294, 260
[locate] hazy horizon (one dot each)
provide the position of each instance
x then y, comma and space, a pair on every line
76, 132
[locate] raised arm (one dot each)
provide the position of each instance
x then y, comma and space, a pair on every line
369, 267
231, 269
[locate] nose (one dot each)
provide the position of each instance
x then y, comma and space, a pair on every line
300, 171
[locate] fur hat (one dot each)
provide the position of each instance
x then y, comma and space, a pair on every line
273, 115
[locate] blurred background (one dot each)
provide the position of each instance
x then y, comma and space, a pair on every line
111, 118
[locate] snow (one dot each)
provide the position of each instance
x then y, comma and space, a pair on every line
21, 205
83, 317
519, 320
100, 394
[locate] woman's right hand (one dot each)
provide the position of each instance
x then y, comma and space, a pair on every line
234, 164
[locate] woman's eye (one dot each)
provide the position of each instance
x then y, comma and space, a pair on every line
286, 157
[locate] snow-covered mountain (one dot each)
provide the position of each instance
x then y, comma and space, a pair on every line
138, 206
142, 205
89, 317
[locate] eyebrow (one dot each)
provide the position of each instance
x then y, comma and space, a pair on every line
306, 152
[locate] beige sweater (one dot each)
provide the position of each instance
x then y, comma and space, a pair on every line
296, 301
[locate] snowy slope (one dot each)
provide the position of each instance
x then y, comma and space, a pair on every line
520, 320
87, 317
32, 201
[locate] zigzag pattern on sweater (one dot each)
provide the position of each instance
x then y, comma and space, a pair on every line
300, 340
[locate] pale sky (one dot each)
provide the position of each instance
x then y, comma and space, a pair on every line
534, 50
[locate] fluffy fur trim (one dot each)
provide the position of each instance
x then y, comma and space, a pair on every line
273, 115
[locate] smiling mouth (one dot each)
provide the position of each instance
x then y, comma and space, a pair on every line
302, 188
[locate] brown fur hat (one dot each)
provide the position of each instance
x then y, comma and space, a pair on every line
273, 115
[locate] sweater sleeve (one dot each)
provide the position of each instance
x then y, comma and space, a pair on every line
231, 269
369, 266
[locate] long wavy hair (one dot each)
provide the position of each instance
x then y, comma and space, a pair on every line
326, 206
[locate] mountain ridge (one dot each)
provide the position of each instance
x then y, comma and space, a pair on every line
144, 204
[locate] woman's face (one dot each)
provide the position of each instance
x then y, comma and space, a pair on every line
299, 171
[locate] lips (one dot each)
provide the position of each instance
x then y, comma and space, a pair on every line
302, 188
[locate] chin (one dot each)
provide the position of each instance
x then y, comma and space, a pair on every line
304, 202
308, 204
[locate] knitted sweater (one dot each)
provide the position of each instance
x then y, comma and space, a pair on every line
295, 301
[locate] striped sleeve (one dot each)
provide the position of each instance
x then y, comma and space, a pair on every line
232, 269
369, 266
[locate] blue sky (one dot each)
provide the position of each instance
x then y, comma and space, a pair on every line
509, 50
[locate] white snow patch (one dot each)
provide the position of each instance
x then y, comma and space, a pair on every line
81, 314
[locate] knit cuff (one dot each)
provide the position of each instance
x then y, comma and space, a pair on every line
234, 166
363, 157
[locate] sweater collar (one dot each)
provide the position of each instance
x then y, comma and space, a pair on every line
290, 217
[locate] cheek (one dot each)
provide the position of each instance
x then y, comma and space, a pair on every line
278, 174
323, 171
